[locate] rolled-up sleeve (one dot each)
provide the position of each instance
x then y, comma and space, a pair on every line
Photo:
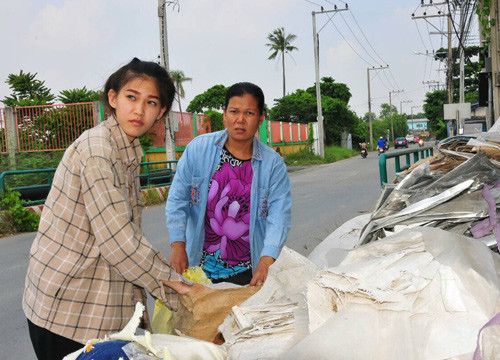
178, 201
121, 242
278, 221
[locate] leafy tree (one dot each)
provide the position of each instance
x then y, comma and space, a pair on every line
385, 110
471, 71
179, 77
73, 96
299, 106
332, 89
215, 119
212, 99
279, 44
337, 118
366, 117
433, 107
27, 90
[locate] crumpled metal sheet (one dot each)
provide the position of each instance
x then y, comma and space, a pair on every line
448, 200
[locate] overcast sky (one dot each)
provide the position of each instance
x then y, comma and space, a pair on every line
76, 43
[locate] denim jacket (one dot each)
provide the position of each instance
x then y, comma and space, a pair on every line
270, 201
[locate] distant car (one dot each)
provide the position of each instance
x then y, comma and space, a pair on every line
410, 139
400, 143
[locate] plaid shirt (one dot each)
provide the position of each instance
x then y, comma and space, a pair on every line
90, 262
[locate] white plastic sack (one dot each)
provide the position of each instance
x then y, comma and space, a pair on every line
166, 346
418, 294
274, 319
345, 236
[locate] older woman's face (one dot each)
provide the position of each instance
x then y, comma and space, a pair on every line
242, 118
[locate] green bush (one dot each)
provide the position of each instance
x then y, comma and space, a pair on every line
21, 218
307, 157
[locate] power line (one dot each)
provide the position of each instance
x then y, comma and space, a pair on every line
421, 39
309, 1
352, 32
363, 33
348, 41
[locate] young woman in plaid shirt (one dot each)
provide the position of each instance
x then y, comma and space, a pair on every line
90, 262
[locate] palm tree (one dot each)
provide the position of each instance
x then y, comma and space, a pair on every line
279, 44
178, 77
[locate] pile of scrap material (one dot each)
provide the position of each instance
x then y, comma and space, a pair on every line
419, 294
457, 190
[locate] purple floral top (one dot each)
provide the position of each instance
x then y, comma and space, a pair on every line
226, 251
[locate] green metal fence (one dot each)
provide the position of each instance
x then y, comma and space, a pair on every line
418, 153
36, 194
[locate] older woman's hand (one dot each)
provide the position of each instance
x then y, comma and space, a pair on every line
260, 273
178, 257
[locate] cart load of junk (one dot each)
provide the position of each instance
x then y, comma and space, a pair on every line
417, 278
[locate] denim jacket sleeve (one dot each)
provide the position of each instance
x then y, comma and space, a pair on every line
278, 220
179, 197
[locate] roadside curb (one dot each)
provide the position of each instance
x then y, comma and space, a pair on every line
150, 196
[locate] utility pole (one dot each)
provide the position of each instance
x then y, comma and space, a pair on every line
321, 133
412, 128
432, 83
370, 101
495, 59
461, 44
449, 70
390, 109
401, 105
169, 119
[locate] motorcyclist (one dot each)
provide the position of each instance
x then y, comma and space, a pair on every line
381, 143
364, 149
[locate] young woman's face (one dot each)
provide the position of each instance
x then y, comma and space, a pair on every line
242, 118
137, 106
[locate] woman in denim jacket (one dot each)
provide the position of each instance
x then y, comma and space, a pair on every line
229, 205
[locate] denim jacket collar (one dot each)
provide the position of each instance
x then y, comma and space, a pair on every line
256, 154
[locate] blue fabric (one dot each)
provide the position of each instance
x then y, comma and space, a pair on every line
271, 200
381, 143
108, 350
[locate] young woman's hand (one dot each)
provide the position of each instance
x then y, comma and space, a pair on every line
183, 289
178, 257
260, 273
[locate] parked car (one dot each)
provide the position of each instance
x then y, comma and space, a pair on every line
400, 142
410, 139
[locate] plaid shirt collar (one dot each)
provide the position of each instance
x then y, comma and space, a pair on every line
130, 152
256, 155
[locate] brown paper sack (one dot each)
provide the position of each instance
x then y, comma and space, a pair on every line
201, 312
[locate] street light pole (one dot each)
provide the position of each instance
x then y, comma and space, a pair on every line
370, 101
390, 109
321, 134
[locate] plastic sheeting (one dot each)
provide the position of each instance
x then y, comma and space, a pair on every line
419, 294
271, 321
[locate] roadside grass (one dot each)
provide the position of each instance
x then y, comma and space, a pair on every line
332, 153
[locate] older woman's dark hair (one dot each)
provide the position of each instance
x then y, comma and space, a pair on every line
242, 88
141, 69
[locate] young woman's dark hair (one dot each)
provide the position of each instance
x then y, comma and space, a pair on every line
242, 88
136, 69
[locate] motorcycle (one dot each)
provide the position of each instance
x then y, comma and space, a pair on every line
364, 153
381, 150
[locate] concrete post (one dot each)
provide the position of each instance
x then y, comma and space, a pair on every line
98, 116
11, 126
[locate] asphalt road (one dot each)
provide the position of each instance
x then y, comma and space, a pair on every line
324, 197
